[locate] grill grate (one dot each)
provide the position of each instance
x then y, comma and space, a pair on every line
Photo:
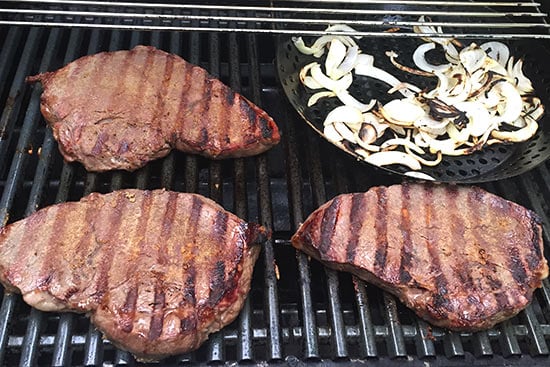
297, 310
375, 18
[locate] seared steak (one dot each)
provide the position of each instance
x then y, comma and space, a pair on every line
119, 110
157, 271
460, 257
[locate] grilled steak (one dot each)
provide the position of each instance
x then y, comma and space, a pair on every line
119, 110
157, 271
460, 257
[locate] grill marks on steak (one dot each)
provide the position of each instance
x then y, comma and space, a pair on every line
460, 257
119, 110
157, 271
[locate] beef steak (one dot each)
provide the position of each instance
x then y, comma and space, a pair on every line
460, 257
157, 271
119, 110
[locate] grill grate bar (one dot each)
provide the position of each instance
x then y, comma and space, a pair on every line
368, 341
62, 345
244, 352
215, 347
508, 341
338, 341
69, 14
13, 103
338, 327
93, 346
537, 343
274, 341
482, 345
374, 18
61, 351
395, 338
15, 175
423, 340
310, 341
452, 344
30, 347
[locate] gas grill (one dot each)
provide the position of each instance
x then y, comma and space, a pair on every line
297, 311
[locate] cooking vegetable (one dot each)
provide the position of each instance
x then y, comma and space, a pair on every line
482, 97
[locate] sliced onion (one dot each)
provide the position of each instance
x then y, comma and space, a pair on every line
331, 134
497, 51
342, 28
367, 134
335, 56
348, 63
365, 68
378, 124
307, 80
431, 126
428, 29
451, 53
347, 99
419, 58
522, 82
403, 112
445, 146
393, 56
513, 104
317, 96
405, 86
535, 109
472, 58
478, 116
425, 162
520, 135
393, 157
346, 131
301, 46
346, 114
404, 142
419, 175
459, 137
333, 85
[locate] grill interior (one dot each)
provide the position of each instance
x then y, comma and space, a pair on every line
297, 310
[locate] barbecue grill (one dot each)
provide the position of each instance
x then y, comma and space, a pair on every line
297, 311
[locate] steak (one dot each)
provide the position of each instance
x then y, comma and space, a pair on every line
122, 109
157, 271
460, 257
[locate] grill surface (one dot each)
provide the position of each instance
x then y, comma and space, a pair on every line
297, 311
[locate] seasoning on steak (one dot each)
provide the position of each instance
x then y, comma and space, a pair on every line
119, 110
460, 257
157, 271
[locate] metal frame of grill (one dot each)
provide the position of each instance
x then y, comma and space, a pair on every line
373, 18
297, 311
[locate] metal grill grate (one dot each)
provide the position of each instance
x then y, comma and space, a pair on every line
375, 18
297, 310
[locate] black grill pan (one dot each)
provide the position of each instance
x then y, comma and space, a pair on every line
495, 162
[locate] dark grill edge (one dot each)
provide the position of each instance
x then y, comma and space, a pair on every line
309, 314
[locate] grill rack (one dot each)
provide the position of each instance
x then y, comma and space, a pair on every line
324, 318
373, 18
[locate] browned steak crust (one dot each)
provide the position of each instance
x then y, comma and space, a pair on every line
460, 257
157, 271
119, 110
